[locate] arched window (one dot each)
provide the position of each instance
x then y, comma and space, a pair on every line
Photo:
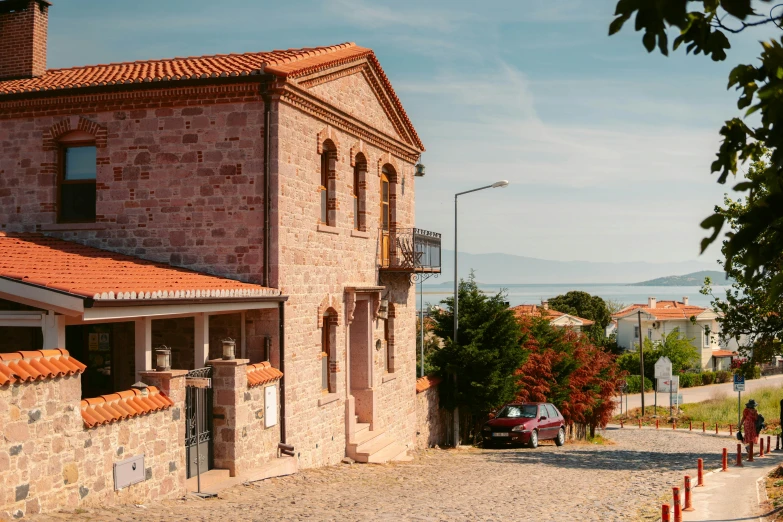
359, 191
327, 188
328, 332
77, 173
385, 220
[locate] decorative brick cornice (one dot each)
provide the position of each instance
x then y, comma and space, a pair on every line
327, 134
356, 149
315, 107
388, 159
336, 75
329, 304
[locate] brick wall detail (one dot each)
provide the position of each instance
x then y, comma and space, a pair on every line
23, 36
431, 419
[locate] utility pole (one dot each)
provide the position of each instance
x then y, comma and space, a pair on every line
641, 358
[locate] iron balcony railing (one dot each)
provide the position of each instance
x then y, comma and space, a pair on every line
409, 250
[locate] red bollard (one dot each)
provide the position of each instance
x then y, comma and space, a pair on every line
656, 424
704, 427
700, 473
750, 451
677, 508
716, 428
725, 461
665, 513
621, 423
690, 425
730, 432
761, 447
674, 425
739, 455
688, 505
640, 423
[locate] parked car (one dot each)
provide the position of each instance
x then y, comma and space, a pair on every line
525, 423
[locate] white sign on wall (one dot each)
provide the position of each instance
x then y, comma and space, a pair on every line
270, 406
663, 368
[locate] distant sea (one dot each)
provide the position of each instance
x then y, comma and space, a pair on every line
533, 294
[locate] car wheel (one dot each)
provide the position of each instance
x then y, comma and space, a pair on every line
533, 439
560, 439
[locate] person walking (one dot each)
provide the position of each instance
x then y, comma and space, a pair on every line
749, 418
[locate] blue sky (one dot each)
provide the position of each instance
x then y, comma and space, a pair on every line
607, 148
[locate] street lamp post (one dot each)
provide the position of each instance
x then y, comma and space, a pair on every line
497, 184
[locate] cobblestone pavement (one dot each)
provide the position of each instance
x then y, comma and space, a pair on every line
621, 481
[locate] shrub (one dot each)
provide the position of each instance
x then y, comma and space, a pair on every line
633, 384
723, 376
689, 380
756, 372
707, 378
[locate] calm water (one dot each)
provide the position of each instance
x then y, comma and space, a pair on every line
533, 294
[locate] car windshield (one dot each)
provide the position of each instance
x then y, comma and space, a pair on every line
525, 411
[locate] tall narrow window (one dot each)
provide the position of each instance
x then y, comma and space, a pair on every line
356, 181
326, 350
76, 185
387, 359
324, 188
385, 216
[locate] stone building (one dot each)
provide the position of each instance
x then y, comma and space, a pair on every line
267, 197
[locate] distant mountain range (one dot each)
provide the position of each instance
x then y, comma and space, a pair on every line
694, 279
511, 269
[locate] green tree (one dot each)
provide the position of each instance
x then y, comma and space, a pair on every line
582, 304
750, 313
755, 242
674, 345
431, 345
484, 359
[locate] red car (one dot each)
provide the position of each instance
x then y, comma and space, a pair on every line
525, 423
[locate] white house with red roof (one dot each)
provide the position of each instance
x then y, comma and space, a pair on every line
558, 319
659, 318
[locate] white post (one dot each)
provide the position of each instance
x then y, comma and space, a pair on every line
201, 340
143, 344
53, 331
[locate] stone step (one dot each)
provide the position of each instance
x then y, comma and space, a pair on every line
366, 450
361, 426
386, 454
363, 437
403, 456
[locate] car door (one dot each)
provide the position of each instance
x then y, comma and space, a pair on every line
544, 428
554, 420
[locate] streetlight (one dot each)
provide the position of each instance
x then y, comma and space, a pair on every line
497, 184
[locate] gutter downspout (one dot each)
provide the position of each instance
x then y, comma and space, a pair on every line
281, 347
267, 97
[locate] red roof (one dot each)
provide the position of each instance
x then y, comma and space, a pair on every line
724, 353
664, 310
90, 272
426, 382
37, 366
262, 373
123, 405
537, 311
288, 63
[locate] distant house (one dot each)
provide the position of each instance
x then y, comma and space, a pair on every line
659, 318
556, 318
611, 328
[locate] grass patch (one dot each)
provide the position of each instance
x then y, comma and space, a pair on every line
720, 409
775, 490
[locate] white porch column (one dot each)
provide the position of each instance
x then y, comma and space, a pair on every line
53, 331
201, 340
143, 342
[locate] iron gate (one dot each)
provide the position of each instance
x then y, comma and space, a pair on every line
198, 424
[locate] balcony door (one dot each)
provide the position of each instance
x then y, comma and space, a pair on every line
385, 217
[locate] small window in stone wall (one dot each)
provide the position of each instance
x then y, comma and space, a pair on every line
76, 193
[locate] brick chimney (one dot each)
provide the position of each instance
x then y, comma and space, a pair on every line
23, 28
651, 302
685, 300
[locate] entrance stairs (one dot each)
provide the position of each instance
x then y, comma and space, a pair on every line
375, 446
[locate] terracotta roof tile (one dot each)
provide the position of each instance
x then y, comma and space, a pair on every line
724, 353
426, 382
664, 310
525, 310
262, 373
37, 366
100, 274
123, 405
288, 63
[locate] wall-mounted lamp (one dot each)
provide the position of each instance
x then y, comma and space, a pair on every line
229, 349
163, 358
419, 170
141, 387
383, 309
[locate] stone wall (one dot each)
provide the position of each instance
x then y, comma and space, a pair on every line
241, 442
49, 460
431, 419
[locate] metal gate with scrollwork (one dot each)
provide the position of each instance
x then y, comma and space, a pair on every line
198, 424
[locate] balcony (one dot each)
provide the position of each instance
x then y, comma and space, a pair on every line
409, 250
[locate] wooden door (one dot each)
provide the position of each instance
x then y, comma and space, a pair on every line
385, 219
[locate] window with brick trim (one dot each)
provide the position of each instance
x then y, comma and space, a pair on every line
76, 183
388, 367
327, 332
327, 187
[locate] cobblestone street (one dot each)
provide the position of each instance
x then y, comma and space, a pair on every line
620, 481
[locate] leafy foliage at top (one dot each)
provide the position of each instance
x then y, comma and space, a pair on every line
760, 86
582, 304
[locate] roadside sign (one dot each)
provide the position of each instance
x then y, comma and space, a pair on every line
676, 399
669, 385
739, 383
663, 368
